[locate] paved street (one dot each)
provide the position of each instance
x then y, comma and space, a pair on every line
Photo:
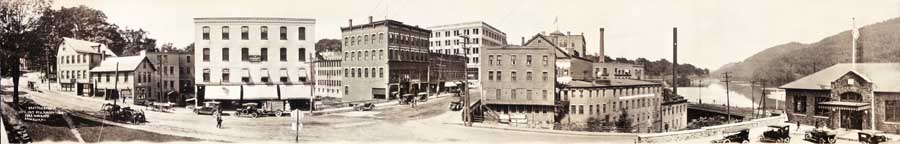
428, 122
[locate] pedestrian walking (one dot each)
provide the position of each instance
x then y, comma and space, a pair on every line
219, 121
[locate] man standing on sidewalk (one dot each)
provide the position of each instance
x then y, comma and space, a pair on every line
219, 121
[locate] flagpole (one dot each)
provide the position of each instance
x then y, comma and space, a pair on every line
853, 33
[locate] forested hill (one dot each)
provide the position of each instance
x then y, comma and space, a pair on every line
784, 63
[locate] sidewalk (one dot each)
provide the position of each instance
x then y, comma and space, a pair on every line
384, 105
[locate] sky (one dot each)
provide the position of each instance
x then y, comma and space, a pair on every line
711, 33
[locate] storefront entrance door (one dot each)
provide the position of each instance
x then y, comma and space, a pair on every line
851, 119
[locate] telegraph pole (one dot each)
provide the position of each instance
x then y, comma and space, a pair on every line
752, 99
116, 85
728, 96
467, 116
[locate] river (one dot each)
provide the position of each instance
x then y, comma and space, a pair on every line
740, 95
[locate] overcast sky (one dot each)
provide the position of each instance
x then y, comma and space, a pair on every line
711, 32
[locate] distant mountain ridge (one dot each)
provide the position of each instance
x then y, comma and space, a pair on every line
784, 63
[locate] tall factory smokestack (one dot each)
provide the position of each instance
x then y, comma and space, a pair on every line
601, 55
675, 60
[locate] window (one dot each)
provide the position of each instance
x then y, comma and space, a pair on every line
491, 59
499, 76
206, 54
528, 95
490, 75
821, 111
580, 109
800, 104
283, 77
499, 59
546, 60
528, 60
499, 93
125, 76
545, 76
245, 33
205, 32
283, 54
301, 33
381, 72
892, 110
512, 94
224, 54
225, 33
264, 54
513, 76
283, 33
226, 75
245, 54
528, 76
206, 75
264, 33
544, 95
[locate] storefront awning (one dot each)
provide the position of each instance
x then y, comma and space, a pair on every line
264, 73
260, 92
843, 105
245, 73
223, 93
289, 92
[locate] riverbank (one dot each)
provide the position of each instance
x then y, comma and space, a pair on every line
741, 95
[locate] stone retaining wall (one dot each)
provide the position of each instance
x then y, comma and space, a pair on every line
708, 131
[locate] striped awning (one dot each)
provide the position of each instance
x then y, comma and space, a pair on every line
843, 105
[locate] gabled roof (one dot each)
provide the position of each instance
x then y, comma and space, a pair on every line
129, 63
539, 36
884, 76
82, 46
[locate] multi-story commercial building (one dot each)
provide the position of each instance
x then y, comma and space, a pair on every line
612, 70
569, 94
129, 79
167, 77
446, 40
673, 112
862, 96
76, 59
329, 74
384, 60
446, 71
241, 59
186, 76
517, 82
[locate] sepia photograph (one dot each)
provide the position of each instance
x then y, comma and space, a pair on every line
450, 71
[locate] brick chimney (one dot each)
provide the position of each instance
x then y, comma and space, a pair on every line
600, 52
351, 22
370, 19
523, 41
674, 60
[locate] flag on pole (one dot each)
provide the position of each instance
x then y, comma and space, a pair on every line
555, 19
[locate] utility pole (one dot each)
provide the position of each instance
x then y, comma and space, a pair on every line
752, 99
764, 99
728, 96
699, 88
116, 85
466, 110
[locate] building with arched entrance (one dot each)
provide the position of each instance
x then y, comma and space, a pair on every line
847, 96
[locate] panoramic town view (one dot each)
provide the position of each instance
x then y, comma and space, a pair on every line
467, 71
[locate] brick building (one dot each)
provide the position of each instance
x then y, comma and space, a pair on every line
517, 85
167, 77
847, 96
329, 74
384, 60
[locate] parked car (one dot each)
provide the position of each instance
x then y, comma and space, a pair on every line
741, 137
210, 108
269, 108
820, 136
777, 133
871, 137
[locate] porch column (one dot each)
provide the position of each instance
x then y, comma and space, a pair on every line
835, 121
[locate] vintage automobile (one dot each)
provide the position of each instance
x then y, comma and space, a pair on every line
210, 108
269, 108
741, 137
363, 107
820, 136
456, 106
871, 137
123, 114
777, 133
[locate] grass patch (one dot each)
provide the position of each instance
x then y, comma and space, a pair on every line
93, 131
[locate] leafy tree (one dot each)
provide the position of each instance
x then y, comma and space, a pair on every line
19, 39
135, 41
328, 45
